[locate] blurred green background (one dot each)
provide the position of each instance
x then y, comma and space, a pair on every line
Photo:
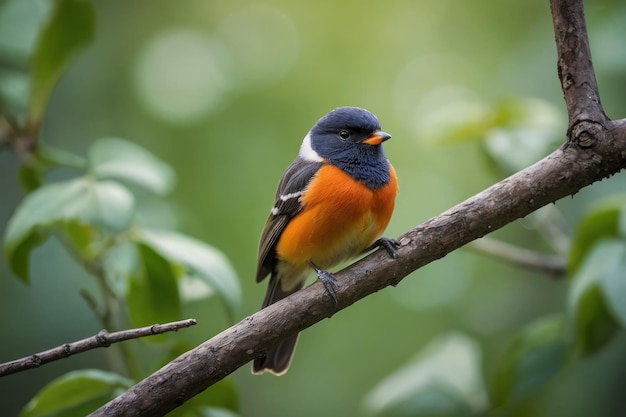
224, 91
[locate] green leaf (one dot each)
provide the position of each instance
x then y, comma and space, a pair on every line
84, 238
457, 120
523, 131
614, 288
595, 326
215, 412
102, 204
44, 157
604, 256
120, 263
430, 401
595, 323
30, 175
76, 394
621, 221
122, 160
528, 112
202, 264
69, 30
514, 149
153, 291
49, 156
20, 23
605, 220
517, 131
531, 360
444, 379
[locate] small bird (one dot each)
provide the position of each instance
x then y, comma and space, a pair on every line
332, 203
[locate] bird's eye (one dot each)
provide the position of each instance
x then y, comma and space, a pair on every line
344, 134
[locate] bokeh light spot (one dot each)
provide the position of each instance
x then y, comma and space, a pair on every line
181, 75
438, 283
450, 114
416, 81
263, 41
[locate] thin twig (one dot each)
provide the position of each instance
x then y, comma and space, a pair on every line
550, 264
102, 339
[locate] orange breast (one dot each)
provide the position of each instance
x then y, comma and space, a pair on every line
340, 219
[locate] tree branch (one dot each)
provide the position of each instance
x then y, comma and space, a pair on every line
102, 339
549, 264
574, 64
562, 173
596, 149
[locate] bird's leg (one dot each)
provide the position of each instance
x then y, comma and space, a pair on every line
390, 245
328, 279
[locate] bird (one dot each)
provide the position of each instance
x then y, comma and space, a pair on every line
333, 203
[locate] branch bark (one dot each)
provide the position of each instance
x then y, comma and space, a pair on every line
595, 149
575, 67
102, 339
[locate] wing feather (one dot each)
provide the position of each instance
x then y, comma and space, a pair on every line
287, 204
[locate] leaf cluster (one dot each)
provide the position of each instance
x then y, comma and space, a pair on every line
145, 275
446, 377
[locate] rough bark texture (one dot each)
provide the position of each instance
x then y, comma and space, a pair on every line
595, 149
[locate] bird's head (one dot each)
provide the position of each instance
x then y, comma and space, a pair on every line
343, 132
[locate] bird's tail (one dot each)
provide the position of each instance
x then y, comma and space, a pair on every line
277, 359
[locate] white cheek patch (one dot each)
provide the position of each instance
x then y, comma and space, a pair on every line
307, 152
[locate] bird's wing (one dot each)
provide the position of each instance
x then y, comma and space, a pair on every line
288, 203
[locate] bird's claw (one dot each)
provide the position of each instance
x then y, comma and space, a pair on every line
329, 281
390, 245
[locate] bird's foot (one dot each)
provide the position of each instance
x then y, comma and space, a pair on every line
390, 245
329, 281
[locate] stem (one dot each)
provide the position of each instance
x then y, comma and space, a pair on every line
107, 317
127, 361
525, 258
102, 339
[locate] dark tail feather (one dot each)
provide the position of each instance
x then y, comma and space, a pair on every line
277, 359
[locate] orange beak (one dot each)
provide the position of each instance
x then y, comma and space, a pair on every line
377, 138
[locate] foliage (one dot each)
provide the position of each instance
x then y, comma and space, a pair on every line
444, 379
513, 133
595, 312
69, 30
534, 356
244, 81
76, 393
96, 217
